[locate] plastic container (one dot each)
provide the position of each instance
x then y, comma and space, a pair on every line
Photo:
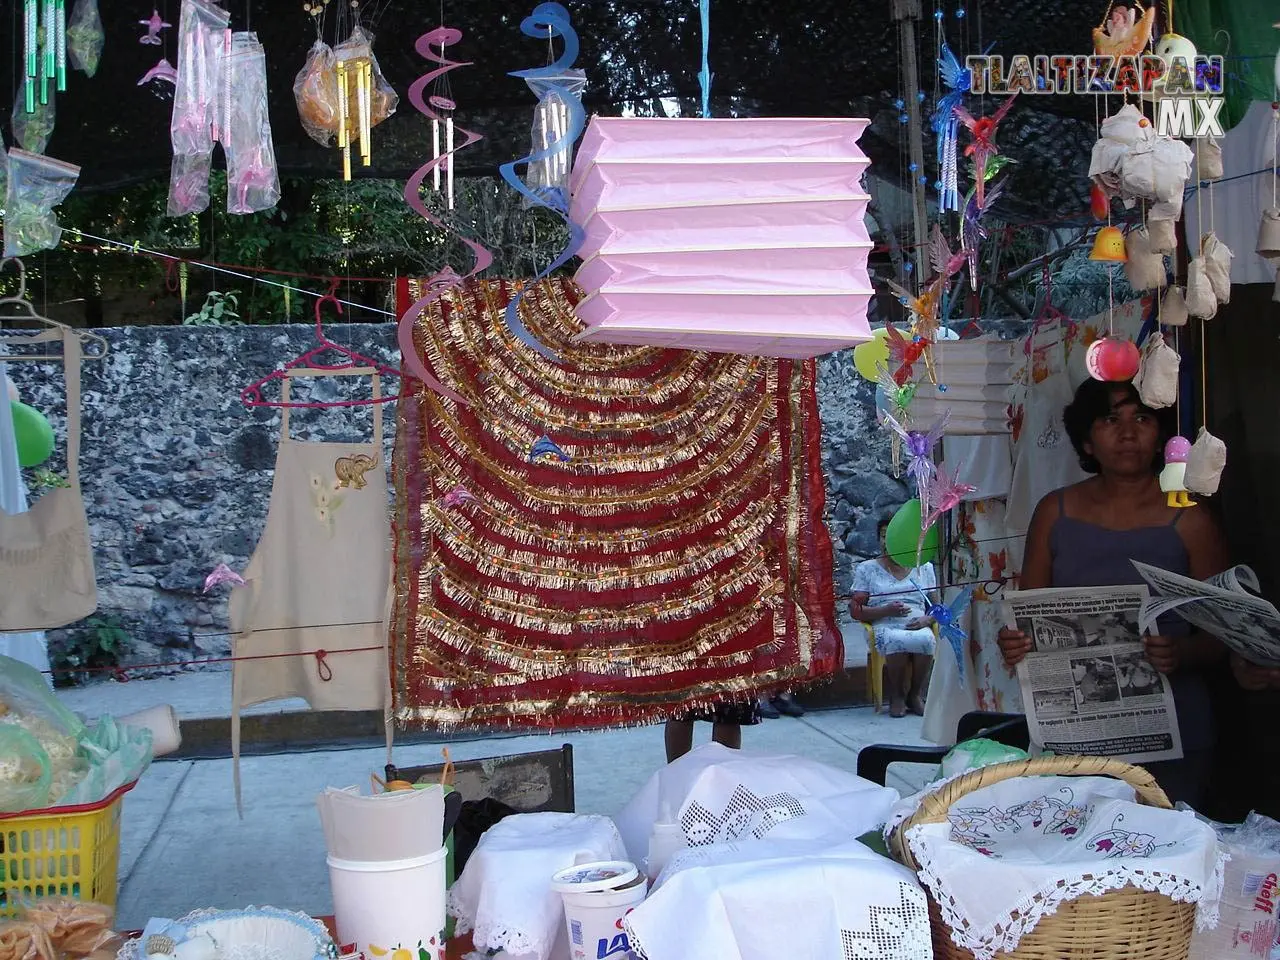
597, 896
390, 905
666, 840
69, 851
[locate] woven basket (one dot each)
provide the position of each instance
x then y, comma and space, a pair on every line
1124, 924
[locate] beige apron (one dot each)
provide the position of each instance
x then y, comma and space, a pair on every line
46, 561
311, 618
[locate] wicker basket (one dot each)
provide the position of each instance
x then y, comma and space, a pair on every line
1124, 924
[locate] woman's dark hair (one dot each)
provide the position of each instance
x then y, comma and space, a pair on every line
1096, 399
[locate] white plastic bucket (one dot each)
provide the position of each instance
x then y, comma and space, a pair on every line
597, 896
391, 905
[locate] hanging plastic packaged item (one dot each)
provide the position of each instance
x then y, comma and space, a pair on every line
85, 37
36, 185
365, 99
315, 90
201, 103
549, 177
32, 130
253, 182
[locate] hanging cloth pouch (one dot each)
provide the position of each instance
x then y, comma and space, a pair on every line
46, 561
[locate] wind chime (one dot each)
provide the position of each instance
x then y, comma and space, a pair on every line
355, 110
442, 100
48, 61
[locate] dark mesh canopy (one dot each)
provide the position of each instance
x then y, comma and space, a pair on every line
820, 57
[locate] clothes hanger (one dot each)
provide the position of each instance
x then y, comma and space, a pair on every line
29, 313
1049, 314
306, 365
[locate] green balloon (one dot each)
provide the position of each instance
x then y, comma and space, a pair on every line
903, 534
34, 434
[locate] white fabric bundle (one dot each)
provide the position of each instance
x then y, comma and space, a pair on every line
1160, 230
1205, 463
1173, 308
1217, 266
1014, 851
1209, 159
504, 894
1143, 268
769, 899
1157, 379
1201, 301
720, 795
1130, 161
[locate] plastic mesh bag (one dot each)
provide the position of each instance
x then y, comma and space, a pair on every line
85, 37
32, 130
253, 182
36, 185
315, 90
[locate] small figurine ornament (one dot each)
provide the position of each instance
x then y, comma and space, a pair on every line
457, 497
983, 131
948, 618
545, 447
1124, 33
1173, 476
155, 24
919, 445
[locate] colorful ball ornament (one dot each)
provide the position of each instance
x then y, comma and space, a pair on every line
1112, 359
871, 353
33, 434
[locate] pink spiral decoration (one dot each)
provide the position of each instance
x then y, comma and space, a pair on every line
446, 279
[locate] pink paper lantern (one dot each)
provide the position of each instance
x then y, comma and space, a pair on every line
732, 236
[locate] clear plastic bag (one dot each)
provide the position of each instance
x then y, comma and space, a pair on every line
253, 182
85, 37
36, 185
549, 178
32, 130
315, 90
200, 101
114, 754
973, 754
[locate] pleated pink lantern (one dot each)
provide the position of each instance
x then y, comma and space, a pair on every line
733, 236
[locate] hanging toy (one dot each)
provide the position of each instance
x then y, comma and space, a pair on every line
948, 618
222, 574
972, 232
897, 403
155, 25
1112, 359
457, 497
1099, 202
905, 353
1125, 32
919, 449
946, 125
983, 130
1173, 476
162, 79
545, 447
946, 492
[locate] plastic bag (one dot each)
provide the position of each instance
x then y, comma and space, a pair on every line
32, 130
383, 99
25, 771
549, 178
24, 690
200, 97
315, 90
36, 185
85, 37
972, 754
253, 182
115, 754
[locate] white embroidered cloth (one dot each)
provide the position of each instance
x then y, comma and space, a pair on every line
782, 898
718, 795
1025, 846
504, 894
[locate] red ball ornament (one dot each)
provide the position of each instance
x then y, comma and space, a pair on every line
1113, 359
1099, 202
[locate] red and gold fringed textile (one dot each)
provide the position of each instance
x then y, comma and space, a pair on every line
677, 558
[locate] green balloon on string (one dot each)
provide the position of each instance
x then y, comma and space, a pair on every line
903, 533
33, 433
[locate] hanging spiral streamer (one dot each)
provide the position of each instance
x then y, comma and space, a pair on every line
548, 20
446, 279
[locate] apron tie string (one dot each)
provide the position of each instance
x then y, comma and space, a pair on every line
323, 670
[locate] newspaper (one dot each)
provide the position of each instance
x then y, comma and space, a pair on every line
1087, 686
1221, 606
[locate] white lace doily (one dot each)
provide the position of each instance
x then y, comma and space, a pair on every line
504, 896
763, 899
1013, 852
255, 933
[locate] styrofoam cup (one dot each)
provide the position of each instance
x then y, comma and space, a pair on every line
383, 906
597, 897
162, 721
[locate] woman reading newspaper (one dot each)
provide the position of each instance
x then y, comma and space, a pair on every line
1085, 535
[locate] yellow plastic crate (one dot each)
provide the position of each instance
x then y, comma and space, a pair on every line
61, 852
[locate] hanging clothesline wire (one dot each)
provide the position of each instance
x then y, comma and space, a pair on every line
140, 250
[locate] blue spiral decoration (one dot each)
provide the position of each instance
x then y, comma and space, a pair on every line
548, 19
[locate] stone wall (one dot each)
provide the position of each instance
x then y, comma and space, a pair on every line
177, 472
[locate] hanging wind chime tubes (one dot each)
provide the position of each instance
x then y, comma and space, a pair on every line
731, 236
355, 100
48, 60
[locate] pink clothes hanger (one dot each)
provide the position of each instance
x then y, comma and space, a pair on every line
251, 396
1049, 314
